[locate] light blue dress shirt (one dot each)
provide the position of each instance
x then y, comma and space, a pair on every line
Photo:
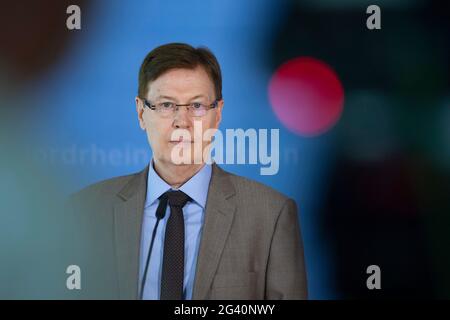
193, 211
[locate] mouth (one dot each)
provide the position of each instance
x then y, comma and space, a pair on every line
180, 141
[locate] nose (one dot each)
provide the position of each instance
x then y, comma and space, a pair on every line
181, 119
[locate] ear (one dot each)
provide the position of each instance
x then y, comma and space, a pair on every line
140, 112
219, 113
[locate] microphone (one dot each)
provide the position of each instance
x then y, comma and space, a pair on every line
160, 213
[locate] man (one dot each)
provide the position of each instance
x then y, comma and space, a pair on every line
183, 228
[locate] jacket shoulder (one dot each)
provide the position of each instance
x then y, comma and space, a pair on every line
253, 191
101, 189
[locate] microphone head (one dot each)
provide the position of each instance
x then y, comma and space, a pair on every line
161, 210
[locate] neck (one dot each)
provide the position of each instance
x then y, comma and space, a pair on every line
176, 175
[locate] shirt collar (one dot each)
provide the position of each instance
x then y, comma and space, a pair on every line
196, 187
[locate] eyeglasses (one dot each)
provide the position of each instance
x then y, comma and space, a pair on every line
167, 109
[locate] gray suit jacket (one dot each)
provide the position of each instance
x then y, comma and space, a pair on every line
251, 246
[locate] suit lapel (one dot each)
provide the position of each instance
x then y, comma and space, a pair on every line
128, 212
219, 214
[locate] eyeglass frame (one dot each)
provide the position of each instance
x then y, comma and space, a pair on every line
213, 105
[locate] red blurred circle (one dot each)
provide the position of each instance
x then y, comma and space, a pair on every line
306, 95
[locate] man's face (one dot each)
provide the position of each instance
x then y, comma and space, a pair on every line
181, 86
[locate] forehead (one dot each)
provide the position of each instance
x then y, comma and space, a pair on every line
182, 83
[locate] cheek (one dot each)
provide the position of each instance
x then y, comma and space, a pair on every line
210, 122
156, 130
208, 128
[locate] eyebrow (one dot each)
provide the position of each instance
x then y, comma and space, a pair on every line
166, 97
198, 96
174, 99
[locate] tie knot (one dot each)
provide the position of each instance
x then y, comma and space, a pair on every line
177, 198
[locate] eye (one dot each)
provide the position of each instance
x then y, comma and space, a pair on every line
166, 105
197, 105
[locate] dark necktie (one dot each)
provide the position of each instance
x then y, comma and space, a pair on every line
173, 260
